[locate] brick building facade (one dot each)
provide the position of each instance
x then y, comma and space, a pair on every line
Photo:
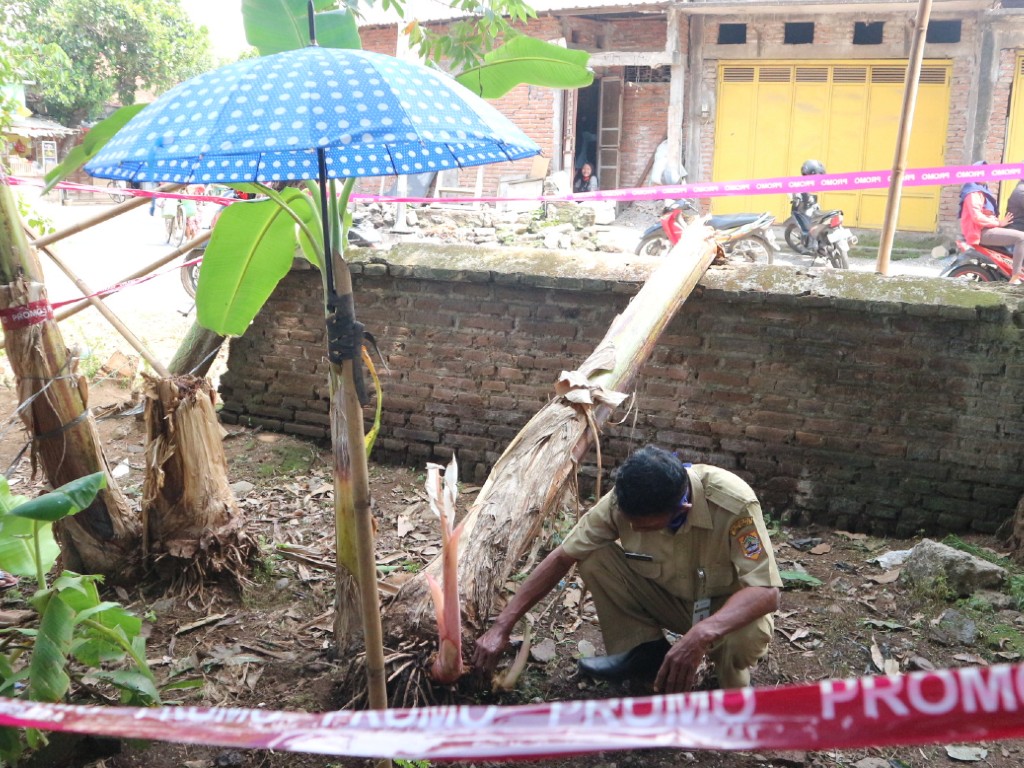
983, 40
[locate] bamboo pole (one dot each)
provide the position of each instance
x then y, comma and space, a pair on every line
353, 519
899, 162
99, 218
83, 303
137, 344
537, 467
192, 244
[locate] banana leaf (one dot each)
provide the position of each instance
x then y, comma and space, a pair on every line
251, 249
70, 499
93, 142
17, 555
272, 26
527, 60
47, 679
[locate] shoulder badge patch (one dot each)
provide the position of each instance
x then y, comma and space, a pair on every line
739, 525
751, 546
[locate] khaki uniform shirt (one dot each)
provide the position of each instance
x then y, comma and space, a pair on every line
722, 547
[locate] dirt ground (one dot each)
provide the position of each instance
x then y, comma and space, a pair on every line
270, 646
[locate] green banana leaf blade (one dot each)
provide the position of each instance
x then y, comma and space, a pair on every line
70, 499
93, 142
49, 681
273, 26
251, 249
527, 60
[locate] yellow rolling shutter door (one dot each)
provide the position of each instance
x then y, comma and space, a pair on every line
1015, 128
773, 116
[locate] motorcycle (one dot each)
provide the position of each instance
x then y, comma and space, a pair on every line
812, 232
747, 236
980, 263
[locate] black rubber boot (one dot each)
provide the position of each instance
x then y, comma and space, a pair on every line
643, 661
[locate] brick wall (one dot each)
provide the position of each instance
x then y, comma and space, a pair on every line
895, 414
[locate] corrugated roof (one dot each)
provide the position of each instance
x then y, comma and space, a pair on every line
438, 10
37, 127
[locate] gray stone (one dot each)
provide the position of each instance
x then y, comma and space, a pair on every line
954, 628
932, 565
241, 488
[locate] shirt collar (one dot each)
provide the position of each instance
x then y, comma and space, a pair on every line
700, 515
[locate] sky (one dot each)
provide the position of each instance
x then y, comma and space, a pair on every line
224, 20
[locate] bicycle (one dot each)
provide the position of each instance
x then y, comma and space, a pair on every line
114, 184
174, 222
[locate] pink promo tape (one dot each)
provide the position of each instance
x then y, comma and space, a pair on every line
831, 182
955, 705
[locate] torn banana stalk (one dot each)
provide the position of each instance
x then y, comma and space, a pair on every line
506, 681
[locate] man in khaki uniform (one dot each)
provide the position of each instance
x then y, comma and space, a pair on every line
671, 547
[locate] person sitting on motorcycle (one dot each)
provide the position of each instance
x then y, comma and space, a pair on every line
808, 201
1015, 206
981, 223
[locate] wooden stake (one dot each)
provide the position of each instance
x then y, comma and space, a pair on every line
192, 244
137, 344
117, 210
899, 162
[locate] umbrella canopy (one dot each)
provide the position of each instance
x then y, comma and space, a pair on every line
264, 119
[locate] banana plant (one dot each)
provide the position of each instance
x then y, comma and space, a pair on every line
442, 492
75, 625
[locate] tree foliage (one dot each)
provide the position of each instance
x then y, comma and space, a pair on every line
98, 51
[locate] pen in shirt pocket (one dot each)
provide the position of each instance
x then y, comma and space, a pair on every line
639, 556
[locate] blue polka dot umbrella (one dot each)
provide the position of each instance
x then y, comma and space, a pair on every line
264, 119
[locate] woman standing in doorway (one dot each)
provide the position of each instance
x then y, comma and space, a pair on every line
585, 180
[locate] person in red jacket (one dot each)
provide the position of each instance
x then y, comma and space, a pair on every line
981, 223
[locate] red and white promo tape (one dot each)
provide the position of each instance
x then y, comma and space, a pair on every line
956, 705
830, 182
34, 313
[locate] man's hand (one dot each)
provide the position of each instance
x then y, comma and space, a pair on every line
678, 671
489, 647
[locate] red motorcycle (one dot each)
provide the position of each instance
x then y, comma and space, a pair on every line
746, 236
980, 263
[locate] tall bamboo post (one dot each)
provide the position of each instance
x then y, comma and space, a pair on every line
104, 537
899, 161
99, 218
137, 344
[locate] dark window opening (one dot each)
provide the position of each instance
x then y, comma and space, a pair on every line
732, 34
799, 33
868, 32
943, 32
640, 74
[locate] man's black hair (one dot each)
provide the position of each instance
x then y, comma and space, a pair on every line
650, 482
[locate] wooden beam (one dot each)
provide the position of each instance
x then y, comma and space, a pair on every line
104, 310
630, 59
674, 129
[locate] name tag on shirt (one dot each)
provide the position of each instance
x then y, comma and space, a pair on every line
701, 610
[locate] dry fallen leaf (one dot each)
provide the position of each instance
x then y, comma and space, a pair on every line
851, 536
821, 549
967, 754
572, 598
872, 762
876, 657
886, 578
971, 658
